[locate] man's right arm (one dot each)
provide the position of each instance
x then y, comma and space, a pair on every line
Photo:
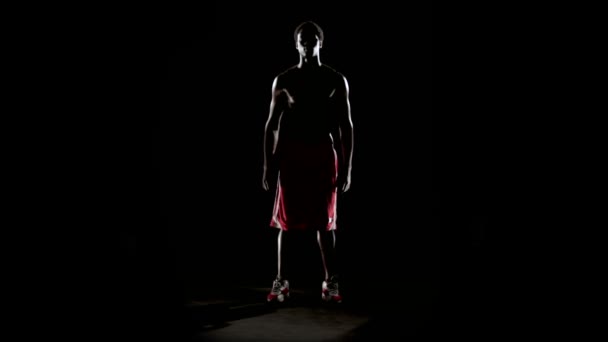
271, 129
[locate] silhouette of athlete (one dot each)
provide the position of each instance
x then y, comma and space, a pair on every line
308, 144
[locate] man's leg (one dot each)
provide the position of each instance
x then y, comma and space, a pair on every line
327, 245
280, 286
279, 253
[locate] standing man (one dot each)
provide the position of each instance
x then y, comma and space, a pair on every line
308, 144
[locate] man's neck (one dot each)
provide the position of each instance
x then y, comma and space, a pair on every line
311, 62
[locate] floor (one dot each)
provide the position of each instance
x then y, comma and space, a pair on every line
244, 315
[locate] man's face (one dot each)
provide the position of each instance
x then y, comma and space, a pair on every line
308, 44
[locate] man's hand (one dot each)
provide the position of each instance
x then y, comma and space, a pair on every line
265, 181
270, 175
343, 183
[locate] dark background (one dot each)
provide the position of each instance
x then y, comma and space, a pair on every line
160, 114
216, 101
414, 217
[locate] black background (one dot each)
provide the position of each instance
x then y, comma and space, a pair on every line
146, 147
216, 97
182, 113
216, 101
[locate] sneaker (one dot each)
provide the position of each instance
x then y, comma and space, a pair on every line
329, 291
280, 290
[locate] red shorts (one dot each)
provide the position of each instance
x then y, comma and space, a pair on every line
306, 188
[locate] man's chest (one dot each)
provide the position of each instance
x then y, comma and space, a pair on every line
309, 91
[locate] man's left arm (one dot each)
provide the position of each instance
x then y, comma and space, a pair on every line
345, 125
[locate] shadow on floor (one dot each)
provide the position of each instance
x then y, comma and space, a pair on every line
304, 317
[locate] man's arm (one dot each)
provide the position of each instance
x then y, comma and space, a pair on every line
345, 125
271, 130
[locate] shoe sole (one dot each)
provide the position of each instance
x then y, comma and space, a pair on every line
329, 298
280, 297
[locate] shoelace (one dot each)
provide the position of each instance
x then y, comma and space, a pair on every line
276, 287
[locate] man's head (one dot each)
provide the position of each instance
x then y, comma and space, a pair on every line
309, 38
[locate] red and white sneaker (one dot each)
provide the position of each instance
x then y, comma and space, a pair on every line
280, 291
329, 291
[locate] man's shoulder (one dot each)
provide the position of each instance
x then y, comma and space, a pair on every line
287, 72
281, 77
331, 70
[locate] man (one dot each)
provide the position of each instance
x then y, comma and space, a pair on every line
308, 142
